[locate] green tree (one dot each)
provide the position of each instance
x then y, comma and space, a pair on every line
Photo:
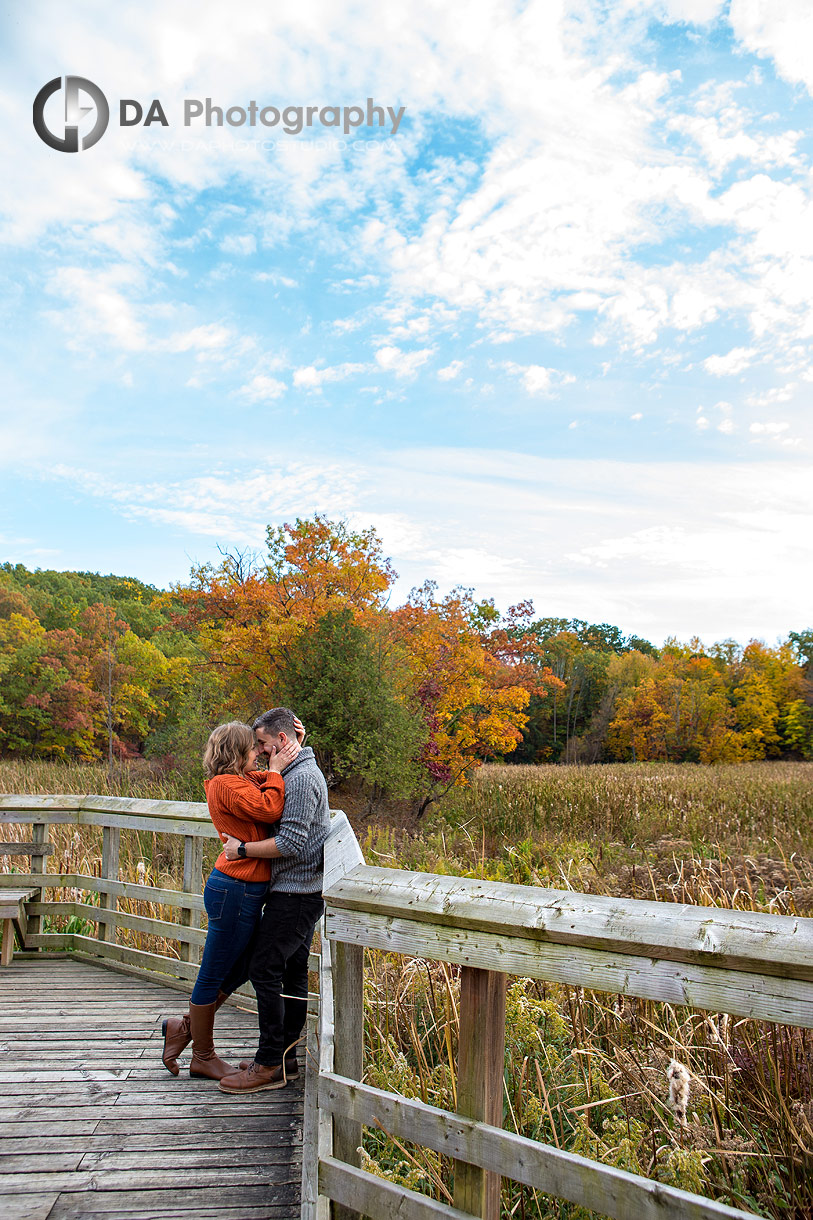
349, 687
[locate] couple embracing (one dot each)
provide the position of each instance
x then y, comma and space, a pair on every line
263, 898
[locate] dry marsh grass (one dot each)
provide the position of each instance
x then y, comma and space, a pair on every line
587, 1072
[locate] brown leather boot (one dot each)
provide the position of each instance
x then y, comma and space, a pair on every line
178, 1035
205, 1061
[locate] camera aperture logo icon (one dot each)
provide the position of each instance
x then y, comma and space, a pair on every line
74, 113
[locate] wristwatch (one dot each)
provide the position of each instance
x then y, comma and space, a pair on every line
241, 851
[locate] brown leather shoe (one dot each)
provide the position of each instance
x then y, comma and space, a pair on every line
255, 1078
178, 1034
205, 1060
291, 1066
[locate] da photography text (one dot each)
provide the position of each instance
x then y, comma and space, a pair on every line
61, 130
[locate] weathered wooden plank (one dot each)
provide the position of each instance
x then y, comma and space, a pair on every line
38, 1161
21, 848
48, 1127
8, 942
136, 1115
136, 957
325, 1062
162, 1204
99, 885
480, 1061
348, 1045
742, 940
39, 864
39, 804
764, 997
310, 1124
73, 1207
362, 1192
47, 940
342, 850
144, 1179
29, 1207
192, 884
607, 1190
280, 1154
34, 881
121, 919
139, 1144
111, 844
192, 1126
10, 901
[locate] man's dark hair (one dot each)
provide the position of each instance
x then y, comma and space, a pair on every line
277, 720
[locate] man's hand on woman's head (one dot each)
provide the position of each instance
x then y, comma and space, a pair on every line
230, 845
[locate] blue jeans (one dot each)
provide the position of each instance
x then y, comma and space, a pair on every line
234, 909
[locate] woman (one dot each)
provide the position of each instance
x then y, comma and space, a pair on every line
242, 802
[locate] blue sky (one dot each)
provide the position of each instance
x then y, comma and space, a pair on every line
552, 337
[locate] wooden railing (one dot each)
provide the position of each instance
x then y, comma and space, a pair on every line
114, 815
742, 963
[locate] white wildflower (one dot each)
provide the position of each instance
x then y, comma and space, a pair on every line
141, 872
679, 1081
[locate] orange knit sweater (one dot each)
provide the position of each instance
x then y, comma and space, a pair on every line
245, 807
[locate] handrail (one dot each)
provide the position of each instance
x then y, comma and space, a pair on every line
114, 815
744, 963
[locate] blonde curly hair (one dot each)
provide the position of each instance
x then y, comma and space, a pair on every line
227, 749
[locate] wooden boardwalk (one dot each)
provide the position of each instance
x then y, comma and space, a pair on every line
91, 1123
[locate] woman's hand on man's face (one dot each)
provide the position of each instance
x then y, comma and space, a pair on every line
279, 761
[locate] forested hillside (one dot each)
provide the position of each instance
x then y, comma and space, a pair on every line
405, 699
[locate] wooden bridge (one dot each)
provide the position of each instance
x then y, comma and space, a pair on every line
92, 1125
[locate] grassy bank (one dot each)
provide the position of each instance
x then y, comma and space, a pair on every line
584, 1071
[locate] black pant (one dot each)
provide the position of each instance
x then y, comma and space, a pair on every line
279, 970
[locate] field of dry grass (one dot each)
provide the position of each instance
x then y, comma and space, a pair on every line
584, 1071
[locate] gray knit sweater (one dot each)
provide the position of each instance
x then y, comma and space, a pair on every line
303, 828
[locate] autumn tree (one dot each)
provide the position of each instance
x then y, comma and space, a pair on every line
470, 712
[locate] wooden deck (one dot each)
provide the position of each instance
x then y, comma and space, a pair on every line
91, 1123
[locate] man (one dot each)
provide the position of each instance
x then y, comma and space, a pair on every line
279, 963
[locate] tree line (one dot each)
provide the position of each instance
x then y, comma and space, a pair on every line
406, 700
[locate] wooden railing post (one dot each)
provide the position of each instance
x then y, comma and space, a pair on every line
111, 840
480, 1062
39, 864
348, 1048
192, 883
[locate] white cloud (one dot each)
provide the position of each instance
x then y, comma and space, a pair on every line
771, 397
769, 427
210, 337
784, 32
403, 364
450, 371
98, 303
536, 379
735, 361
262, 389
239, 243
657, 548
312, 378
